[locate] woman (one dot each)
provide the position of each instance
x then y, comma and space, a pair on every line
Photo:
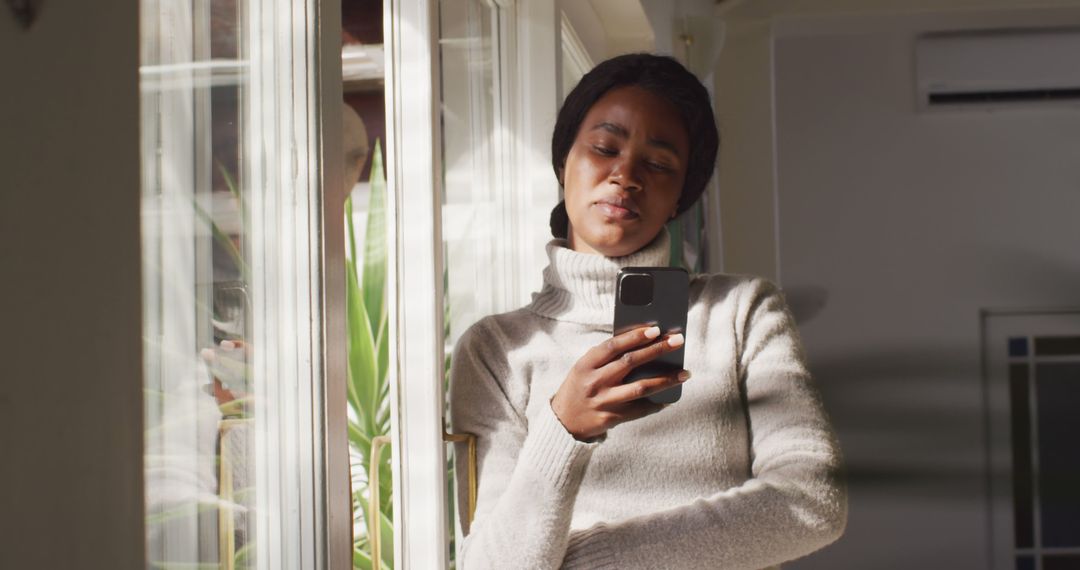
576, 469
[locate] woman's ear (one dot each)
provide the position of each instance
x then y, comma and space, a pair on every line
561, 176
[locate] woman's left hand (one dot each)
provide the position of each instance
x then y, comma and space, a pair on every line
593, 399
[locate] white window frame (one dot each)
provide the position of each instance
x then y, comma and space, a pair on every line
416, 260
575, 60
307, 430
414, 293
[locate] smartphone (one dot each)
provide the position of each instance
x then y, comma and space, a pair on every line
654, 296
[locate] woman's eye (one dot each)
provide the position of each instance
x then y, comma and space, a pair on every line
606, 151
659, 167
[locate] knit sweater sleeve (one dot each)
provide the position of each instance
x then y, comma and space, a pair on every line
794, 501
529, 470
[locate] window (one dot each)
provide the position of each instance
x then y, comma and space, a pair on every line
479, 207
478, 200
1044, 388
233, 340
1032, 367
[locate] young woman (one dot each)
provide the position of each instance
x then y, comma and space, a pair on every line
575, 468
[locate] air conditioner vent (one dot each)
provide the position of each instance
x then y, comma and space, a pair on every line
1018, 96
998, 68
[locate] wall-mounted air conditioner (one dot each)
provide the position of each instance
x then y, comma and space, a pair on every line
998, 68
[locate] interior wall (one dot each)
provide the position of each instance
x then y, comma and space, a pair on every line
626, 26
590, 30
890, 229
71, 388
745, 177
608, 28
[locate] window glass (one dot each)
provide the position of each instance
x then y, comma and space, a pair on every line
480, 209
231, 315
368, 315
476, 149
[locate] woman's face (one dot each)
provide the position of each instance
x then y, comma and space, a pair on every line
625, 171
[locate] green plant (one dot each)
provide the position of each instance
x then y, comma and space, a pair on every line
368, 359
687, 232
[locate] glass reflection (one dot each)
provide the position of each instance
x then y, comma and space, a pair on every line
196, 287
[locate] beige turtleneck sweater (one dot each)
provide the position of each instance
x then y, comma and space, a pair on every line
742, 472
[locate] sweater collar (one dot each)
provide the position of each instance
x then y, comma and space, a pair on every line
580, 287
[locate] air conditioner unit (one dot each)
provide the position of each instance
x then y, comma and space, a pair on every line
997, 68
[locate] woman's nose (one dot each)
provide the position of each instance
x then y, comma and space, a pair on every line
625, 174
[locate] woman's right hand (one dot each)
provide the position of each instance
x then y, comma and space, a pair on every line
593, 398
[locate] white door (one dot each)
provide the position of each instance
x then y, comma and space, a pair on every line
1033, 394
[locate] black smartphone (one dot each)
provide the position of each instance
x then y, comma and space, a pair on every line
654, 296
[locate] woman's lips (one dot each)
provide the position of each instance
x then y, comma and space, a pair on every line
617, 212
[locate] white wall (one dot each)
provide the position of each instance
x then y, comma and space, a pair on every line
625, 24
905, 225
745, 176
609, 27
71, 382
590, 30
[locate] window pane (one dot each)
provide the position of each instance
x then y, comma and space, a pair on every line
368, 316
1057, 346
480, 213
476, 210
231, 335
1061, 562
1023, 493
1058, 388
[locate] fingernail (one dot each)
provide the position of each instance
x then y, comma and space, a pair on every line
675, 340
684, 376
652, 332
228, 344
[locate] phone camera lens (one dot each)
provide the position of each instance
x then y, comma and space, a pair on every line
636, 289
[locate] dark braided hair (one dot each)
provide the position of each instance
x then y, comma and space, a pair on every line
663, 76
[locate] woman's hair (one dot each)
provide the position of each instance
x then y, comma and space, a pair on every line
662, 76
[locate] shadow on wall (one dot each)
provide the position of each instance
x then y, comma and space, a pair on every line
805, 302
893, 436
912, 417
